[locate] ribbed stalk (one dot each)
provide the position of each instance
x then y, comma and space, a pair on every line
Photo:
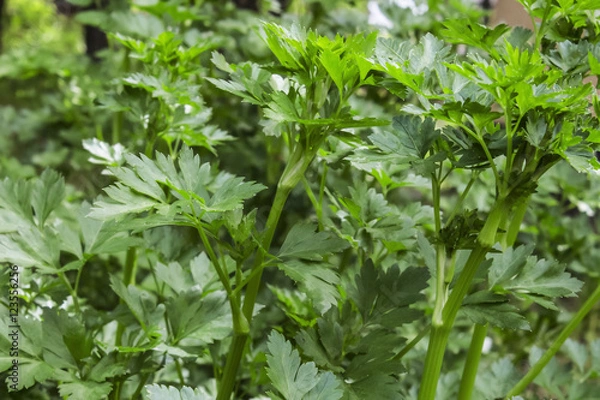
471, 367
293, 173
439, 333
469, 374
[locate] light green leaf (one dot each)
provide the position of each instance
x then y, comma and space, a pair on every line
85, 390
174, 276
104, 153
219, 61
108, 367
412, 137
317, 280
101, 237
302, 242
231, 194
495, 382
125, 201
33, 371
294, 380
47, 194
203, 272
530, 278
141, 304
161, 392
203, 317
577, 352
485, 307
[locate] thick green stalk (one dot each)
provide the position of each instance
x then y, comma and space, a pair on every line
508, 239
441, 331
293, 173
556, 345
440, 264
469, 374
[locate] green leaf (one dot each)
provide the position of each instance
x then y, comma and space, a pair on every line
285, 44
530, 278
31, 246
143, 186
203, 272
536, 130
174, 276
107, 367
47, 194
385, 297
485, 307
141, 304
231, 194
332, 63
302, 242
508, 263
161, 392
317, 280
473, 34
206, 318
124, 201
576, 352
219, 61
104, 153
412, 137
294, 380
15, 196
495, 382
100, 237
85, 390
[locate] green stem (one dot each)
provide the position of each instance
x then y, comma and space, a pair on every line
409, 346
556, 345
293, 173
179, 372
128, 279
440, 333
234, 358
463, 196
469, 374
321, 196
474, 354
116, 393
440, 286
117, 127
72, 291
510, 237
138, 391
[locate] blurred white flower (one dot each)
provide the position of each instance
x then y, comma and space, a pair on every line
585, 208
487, 345
377, 17
417, 9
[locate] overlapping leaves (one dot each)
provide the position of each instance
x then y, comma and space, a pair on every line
318, 76
518, 273
295, 380
181, 190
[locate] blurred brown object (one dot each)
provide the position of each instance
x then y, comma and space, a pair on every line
510, 12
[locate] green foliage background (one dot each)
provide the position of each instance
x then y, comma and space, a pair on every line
138, 195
